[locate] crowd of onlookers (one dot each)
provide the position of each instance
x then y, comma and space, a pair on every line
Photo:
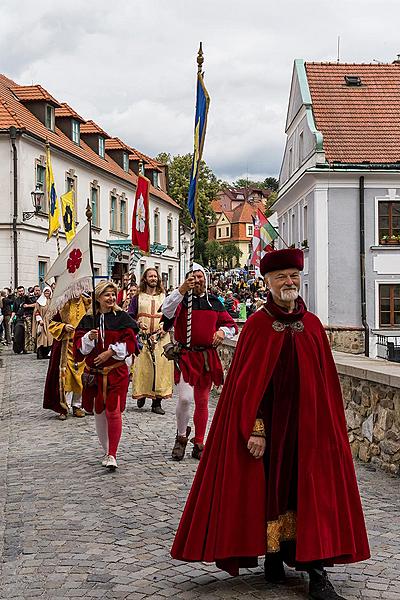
240, 296
22, 318
23, 321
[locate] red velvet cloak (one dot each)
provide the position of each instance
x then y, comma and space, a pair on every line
224, 517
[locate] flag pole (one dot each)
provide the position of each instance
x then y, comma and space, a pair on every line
132, 252
89, 215
200, 61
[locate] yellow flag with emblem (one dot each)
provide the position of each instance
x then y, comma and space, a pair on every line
54, 208
68, 214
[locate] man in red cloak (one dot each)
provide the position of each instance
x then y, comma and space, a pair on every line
276, 477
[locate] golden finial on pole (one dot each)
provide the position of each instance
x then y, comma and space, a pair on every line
200, 59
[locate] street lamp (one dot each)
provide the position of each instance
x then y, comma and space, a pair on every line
37, 201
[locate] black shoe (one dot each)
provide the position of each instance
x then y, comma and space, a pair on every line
274, 571
156, 407
320, 587
141, 402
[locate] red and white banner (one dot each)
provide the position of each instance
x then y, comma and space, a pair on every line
72, 271
140, 217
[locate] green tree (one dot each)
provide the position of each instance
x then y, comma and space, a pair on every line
213, 253
231, 254
178, 186
269, 183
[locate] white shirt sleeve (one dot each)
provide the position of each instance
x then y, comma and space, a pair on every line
119, 349
87, 344
229, 332
171, 303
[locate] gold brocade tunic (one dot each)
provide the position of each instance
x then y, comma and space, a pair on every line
143, 371
72, 312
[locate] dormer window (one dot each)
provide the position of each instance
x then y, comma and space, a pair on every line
49, 117
125, 161
76, 134
101, 147
155, 179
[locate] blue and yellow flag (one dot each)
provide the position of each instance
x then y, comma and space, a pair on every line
68, 214
52, 200
200, 124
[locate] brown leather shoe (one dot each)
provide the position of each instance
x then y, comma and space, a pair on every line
78, 412
178, 451
197, 451
62, 417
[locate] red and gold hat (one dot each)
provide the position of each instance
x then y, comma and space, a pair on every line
289, 258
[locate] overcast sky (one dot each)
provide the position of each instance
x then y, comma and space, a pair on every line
130, 65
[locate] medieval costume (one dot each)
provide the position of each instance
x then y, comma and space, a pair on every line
40, 324
63, 382
300, 503
152, 371
105, 388
198, 367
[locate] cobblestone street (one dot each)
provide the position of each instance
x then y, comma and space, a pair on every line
69, 529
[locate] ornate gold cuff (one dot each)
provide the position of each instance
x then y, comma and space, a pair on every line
258, 429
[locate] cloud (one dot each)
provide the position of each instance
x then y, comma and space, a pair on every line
131, 65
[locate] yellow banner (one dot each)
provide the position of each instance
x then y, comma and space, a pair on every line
68, 214
52, 200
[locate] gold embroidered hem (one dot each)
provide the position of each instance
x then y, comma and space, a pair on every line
281, 530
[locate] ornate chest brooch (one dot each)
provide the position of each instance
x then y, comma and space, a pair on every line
296, 326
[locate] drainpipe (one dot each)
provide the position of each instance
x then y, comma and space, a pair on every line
13, 137
362, 267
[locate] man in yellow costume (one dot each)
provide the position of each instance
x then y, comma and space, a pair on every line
63, 387
152, 372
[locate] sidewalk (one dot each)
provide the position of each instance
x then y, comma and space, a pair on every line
69, 529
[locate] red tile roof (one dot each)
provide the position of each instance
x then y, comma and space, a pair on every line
66, 111
13, 113
149, 163
216, 206
359, 123
33, 93
115, 143
92, 127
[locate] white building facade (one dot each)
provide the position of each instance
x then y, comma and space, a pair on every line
81, 161
339, 200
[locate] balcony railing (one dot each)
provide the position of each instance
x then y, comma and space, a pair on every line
388, 347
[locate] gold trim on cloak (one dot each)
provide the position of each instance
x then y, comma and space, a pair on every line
282, 530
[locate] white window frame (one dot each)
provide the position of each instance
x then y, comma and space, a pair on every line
379, 282
391, 197
76, 132
102, 146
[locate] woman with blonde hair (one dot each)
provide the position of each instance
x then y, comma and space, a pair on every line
106, 341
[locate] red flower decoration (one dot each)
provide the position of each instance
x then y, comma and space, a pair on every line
74, 261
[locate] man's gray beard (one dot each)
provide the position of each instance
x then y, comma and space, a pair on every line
289, 295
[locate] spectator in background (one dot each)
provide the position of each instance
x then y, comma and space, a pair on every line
7, 309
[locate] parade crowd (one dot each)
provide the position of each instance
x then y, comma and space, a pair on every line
275, 475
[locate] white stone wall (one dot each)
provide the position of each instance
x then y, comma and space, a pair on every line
32, 244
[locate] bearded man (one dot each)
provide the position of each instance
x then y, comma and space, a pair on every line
152, 372
277, 477
198, 366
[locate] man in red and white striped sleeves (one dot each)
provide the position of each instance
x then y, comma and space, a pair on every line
198, 366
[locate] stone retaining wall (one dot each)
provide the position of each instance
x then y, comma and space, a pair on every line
346, 339
371, 395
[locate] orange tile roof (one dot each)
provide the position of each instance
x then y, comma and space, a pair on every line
92, 127
216, 206
33, 93
66, 111
115, 143
13, 113
359, 123
149, 163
